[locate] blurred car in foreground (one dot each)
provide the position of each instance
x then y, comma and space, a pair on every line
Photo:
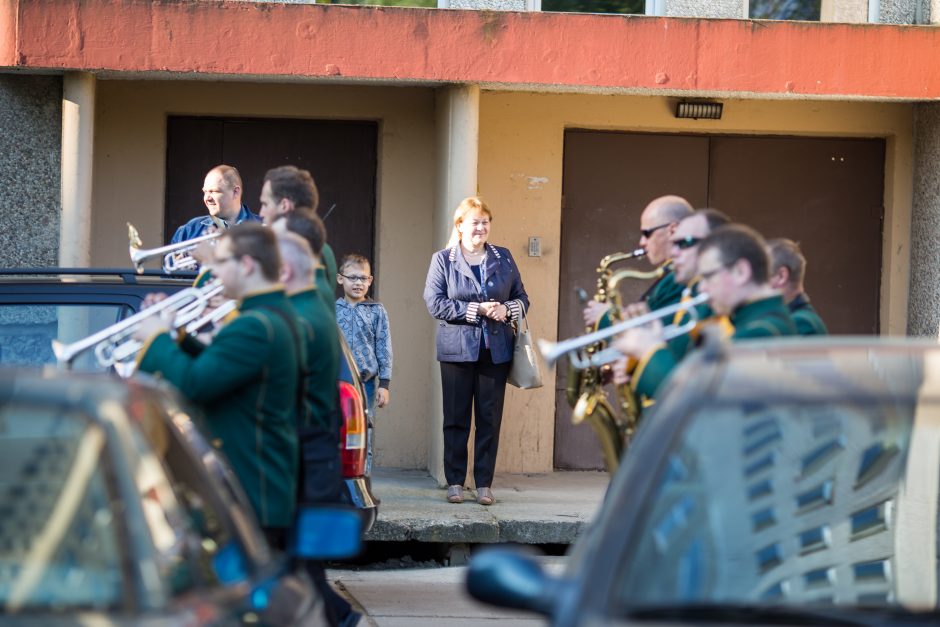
114, 508
783, 482
39, 305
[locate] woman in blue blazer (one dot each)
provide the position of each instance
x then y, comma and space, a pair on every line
474, 290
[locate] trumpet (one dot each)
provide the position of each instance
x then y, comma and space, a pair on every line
576, 348
176, 257
108, 343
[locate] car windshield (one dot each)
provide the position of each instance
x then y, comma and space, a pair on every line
58, 548
27, 331
778, 499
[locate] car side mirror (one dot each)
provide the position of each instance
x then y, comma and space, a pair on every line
325, 532
508, 578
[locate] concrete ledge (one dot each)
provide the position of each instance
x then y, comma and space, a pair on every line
529, 509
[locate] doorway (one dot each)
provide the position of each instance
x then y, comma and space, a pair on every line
825, 193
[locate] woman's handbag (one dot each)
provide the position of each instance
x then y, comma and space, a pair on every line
524, 373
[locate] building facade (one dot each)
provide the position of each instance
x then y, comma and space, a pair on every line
539, 112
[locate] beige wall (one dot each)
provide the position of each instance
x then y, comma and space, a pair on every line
130, 152
520, 173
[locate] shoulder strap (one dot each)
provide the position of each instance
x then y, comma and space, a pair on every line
302, 371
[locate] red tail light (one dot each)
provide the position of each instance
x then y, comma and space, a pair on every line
353, 433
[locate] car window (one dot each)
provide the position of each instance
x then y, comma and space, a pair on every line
58, 548
785, 503
27, 331
218, 554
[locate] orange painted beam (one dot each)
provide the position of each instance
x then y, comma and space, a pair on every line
544, 50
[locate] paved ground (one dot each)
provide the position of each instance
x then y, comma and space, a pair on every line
532, 509
424, 597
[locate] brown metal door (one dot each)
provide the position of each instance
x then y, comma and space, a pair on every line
824, 193
341, 156
608, 180
827, 194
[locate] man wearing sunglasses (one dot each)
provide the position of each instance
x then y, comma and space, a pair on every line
658, 224
734, 270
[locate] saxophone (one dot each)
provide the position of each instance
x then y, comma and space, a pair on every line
585, 391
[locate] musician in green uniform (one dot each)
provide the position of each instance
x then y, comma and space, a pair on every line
246, 381
285, 189
658, 224
788, 267
735, 271
684, 253
319, 429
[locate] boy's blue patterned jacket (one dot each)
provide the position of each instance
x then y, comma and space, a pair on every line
365, 327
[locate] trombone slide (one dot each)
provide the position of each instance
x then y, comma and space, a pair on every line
575, 347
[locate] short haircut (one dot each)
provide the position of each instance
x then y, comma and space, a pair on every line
471, 203
713, 218
307, 224
229, 174
736, 241
296, 253
250, 239
785, 253
354, 259
294, 184
673, 208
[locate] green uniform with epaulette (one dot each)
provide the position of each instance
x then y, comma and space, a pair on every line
805, 317
761, 318
246, 382
681, 344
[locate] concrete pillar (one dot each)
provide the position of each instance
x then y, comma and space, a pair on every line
30, 116
845, 11
457, 110
899, 11
78, 133
924, 303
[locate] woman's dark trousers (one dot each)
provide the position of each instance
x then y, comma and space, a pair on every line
479, 386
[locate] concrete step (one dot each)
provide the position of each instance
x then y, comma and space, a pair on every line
529, 509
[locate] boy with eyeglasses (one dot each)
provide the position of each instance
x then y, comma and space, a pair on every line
364, 323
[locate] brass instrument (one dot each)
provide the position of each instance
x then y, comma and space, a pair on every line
578, 349
176, 257
585, 392
117, 341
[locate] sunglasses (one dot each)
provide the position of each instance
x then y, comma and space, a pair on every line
686, 242
648, 232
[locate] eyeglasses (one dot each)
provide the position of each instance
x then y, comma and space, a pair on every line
686, 242
649, 232
356, 278
710, 273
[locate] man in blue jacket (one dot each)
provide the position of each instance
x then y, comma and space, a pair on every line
222, 195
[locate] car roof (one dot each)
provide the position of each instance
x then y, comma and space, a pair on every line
821, 369
117, 276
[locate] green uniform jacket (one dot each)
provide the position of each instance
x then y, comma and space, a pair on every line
245, 381
765, 317
804, 315
325, 289
665, 291
328, 260
681, 344
323, 356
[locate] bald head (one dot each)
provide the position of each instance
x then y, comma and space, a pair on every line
658, 223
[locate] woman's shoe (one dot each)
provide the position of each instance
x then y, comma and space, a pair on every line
455, 494
485, 496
